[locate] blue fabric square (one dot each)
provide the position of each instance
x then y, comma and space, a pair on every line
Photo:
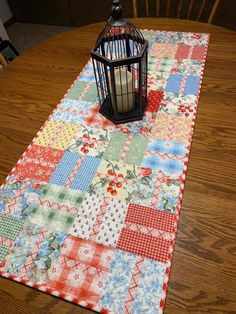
152, 162
192, 85
64, 168
174, 148
173, 83
86, 173
172, 166
166, 165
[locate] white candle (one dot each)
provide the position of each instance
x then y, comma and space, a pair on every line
124, 90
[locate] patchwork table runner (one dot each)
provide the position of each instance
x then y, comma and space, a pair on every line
89, 213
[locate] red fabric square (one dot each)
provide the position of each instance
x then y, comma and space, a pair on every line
154, 99
198, 53
182, 52
81, 269
48, 154
145, 245
150, 217
38, 163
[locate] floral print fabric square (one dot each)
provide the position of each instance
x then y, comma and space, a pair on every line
90, 211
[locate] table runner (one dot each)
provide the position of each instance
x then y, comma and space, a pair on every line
89, 213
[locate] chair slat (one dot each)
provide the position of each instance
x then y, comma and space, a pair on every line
158, 8
190, 7
135, 11
147, 7
201, 9
213, 11
168, 8
179, 8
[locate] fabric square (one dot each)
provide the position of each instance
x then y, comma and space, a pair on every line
90, 141
76, 90
81, 271
143, 190
126, 147
87, 74
85, 173
112, 223
198, 53
167, 165
150, 217
10, 227
167, 147
91, 93
117, 283
45, 136
149, 293
63, 198
163, 50
172, 128
71, 112
51, 218
182, 52
187, 67
178, 104
64, 168
136, 149
65, 134
4, 249
192, 85
38, 163
94, 118
115, 180
33, 253
145, 245
115, 146
87, 216
154, 99
173, 83
169, 195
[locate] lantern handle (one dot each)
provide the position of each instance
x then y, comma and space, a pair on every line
116, 16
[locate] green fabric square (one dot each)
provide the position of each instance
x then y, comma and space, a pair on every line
76, 90
135, 153
92, 94
10, 227
3, 252
115, 146
63, 195
52, 218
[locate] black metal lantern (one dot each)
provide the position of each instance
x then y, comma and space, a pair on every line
120, 67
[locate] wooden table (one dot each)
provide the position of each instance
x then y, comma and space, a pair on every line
204, 267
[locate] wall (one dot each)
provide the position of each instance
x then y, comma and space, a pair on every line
3, 33
5, 11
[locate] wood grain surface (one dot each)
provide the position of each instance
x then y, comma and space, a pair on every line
203, 275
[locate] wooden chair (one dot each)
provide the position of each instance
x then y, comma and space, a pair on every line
3, 61
201, 5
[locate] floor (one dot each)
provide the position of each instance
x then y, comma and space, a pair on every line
25, 35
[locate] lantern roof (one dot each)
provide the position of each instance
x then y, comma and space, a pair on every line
117, 35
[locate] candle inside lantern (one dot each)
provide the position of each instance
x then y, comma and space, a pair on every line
124, 90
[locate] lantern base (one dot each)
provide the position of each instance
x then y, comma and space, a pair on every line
134, 115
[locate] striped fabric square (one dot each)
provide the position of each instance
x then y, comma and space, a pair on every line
150, 217
64, 168
84, 176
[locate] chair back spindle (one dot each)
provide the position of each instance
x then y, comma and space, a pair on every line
201, 4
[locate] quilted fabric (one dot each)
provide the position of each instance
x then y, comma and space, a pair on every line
89, 213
